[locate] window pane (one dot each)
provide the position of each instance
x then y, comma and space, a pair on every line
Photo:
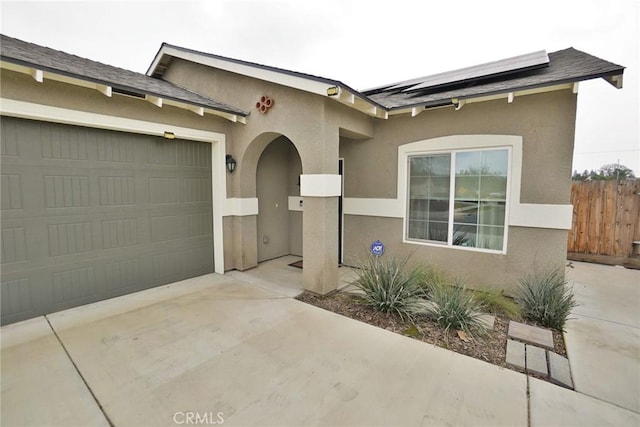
491, 213
467, 187
480, 194
439, 187
468, 163
419, 188
464, 235
440, 165
490, 237
418, 230
438, 231
494, 162
429, 188
419, 209
493, 187
439, 210
466, 212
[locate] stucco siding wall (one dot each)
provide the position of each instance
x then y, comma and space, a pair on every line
527, 248
240, 242
545, 121
313, 123
295, 114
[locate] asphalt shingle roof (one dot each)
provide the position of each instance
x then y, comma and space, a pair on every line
32, 55
565, 66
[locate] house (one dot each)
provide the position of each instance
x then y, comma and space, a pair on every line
114, 181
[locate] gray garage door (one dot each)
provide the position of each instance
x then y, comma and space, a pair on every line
90, 214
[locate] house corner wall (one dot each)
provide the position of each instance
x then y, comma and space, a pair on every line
546, 123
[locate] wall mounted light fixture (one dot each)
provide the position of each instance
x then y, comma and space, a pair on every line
231, 163
169, 135
333, 91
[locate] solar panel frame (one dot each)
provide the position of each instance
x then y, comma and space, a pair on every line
514, 64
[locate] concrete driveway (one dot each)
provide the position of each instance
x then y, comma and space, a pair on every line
603, 334
218, 349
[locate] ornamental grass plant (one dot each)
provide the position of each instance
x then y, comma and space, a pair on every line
453, 307
545, 297
390, 285
494, 301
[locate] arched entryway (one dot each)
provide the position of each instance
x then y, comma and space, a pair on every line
279, 222
295, 169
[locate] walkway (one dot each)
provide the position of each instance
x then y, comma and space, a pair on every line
603, 334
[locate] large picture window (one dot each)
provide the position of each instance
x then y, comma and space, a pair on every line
458, 198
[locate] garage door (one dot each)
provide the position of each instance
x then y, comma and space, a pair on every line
89, 214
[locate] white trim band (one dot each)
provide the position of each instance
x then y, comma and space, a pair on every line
47, 113
390, 208
519, 214
557, 217
320, 185
236, 206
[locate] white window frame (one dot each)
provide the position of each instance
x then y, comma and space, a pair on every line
459, 143
450, 223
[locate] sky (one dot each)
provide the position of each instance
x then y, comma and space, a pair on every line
366, 43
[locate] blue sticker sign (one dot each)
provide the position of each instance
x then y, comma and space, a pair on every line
377, 248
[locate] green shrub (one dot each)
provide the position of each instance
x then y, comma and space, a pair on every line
545, 297
389, 285
494, 301
452, 307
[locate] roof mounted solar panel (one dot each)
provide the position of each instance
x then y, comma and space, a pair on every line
507, 66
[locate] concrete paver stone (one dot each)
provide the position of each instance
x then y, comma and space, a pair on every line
559, 370
536, 360
515, 354
531, 334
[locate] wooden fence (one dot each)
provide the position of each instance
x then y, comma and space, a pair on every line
606, 222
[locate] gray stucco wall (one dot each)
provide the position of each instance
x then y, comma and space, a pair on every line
545, 121
323, 130
313, 124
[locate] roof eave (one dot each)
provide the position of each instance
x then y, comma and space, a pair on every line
106, 87
614, 78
